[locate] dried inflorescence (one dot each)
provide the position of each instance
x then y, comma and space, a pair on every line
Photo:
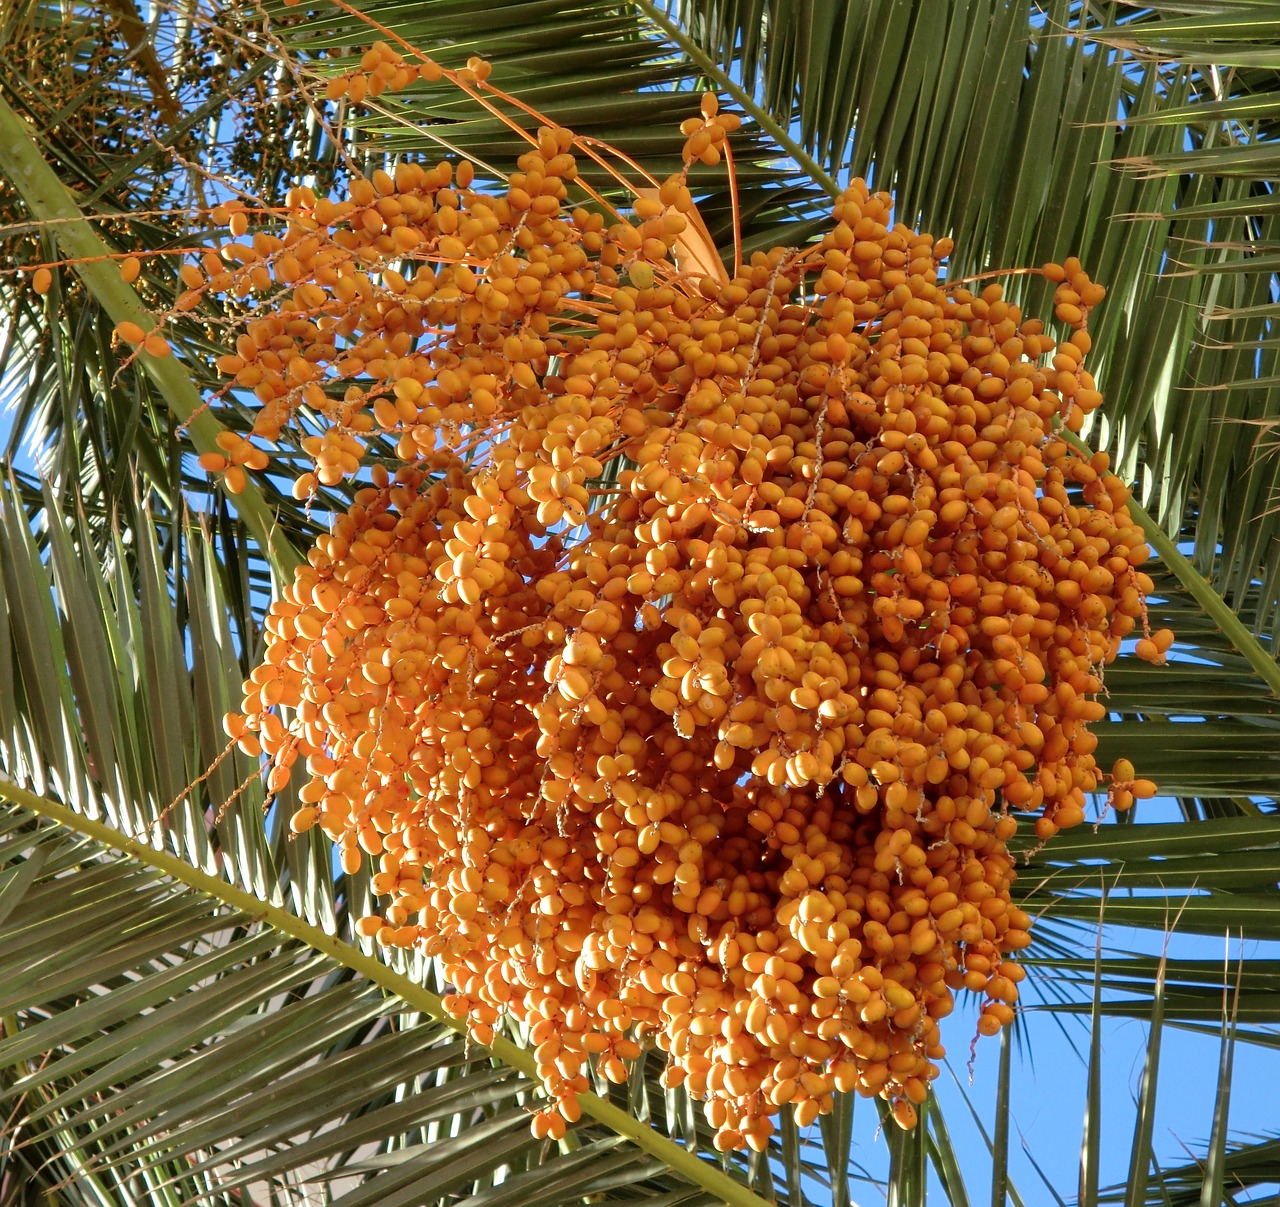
683, 675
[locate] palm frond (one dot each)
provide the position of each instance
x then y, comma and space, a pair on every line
1249, 1166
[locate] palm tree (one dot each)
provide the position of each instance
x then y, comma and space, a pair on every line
187, 1014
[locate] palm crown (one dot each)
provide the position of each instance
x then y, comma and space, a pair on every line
208, 1028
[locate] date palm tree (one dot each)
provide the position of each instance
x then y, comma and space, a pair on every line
187, 1015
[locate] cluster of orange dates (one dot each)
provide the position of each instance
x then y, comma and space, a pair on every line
683, 669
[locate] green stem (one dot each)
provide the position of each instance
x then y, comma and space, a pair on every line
763, 119
1230, 625
688, 1165
50, 203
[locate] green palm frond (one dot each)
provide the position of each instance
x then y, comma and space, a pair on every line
1246, 1167
114, 677
1204, 727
